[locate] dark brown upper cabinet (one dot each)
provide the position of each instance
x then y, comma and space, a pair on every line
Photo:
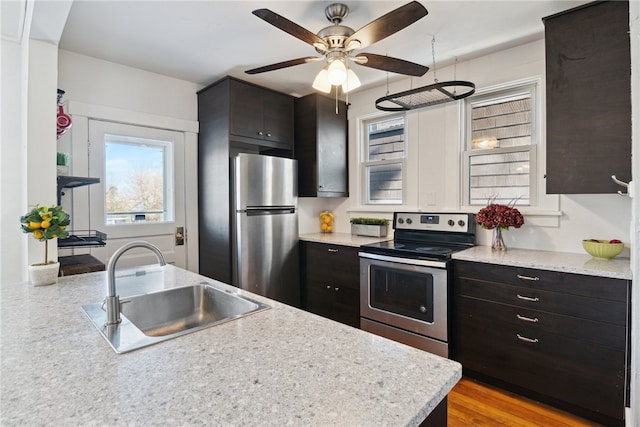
260, 116
588, 81
321, 147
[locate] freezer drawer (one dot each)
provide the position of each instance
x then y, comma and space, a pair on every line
266, 254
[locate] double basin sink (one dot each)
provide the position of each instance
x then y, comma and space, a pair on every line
159, 316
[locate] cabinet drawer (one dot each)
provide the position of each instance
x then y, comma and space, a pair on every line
570, 370
600, 310
530, 323
575, 284
335, 264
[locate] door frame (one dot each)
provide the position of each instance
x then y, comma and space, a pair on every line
78, 145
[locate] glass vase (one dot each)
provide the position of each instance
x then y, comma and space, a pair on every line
498, 243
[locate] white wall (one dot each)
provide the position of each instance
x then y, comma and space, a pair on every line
13, 149
97, 82
434, 163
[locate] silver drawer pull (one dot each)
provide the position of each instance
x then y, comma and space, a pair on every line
332, 250
532, 279
527, 319
534, 299
525, 339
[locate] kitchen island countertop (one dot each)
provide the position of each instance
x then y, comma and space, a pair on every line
567, 262
282, 366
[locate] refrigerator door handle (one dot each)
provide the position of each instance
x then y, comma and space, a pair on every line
269, 211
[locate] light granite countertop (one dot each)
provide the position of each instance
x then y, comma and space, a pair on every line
617, 268
345, 239
282, 366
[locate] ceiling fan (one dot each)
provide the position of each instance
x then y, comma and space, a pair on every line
337, 44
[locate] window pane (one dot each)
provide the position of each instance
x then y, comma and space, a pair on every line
505, 123
136, 181
386, 140
385, 183
383, 176
504, 177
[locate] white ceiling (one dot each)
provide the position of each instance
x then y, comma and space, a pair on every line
202, 41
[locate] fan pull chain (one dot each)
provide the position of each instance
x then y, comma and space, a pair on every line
336, 99
455, 67
433, 57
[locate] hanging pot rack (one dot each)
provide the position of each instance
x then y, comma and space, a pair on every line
434, 94
437, 93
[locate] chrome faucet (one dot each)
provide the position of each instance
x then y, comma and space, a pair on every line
112, 300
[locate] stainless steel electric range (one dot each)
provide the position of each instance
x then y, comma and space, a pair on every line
405, 282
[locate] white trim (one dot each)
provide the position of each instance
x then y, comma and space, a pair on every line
119, 115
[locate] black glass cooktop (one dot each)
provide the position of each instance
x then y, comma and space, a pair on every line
410, 249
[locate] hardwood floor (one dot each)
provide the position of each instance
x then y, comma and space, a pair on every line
475, 404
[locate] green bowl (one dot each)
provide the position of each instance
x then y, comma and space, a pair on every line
602, 249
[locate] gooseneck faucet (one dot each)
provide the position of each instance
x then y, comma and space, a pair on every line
112, 300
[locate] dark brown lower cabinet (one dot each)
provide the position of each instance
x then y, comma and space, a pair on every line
331, 281
556, 337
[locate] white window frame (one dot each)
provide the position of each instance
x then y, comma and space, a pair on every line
535, 87
364, 163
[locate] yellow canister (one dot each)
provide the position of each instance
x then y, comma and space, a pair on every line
326, 221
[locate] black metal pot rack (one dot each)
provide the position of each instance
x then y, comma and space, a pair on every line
437, 93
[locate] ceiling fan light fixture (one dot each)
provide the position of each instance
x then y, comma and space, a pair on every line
321, 82
352, 82
337, 72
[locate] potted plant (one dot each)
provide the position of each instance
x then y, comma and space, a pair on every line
374, 227
45, 223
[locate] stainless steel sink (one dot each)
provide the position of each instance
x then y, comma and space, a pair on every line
155, 317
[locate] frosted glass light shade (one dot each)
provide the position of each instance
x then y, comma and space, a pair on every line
337, 72
321, 82
352, 81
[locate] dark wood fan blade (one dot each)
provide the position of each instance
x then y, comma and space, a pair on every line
288, 26
393, 65
388, 24
283, 64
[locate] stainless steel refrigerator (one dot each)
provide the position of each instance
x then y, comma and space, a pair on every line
265, 227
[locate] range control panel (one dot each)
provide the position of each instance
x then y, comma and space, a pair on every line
452, 222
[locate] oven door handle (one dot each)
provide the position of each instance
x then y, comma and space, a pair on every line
410, 261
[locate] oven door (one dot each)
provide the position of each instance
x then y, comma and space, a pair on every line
405, 293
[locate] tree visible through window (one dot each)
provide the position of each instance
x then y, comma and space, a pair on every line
136, 183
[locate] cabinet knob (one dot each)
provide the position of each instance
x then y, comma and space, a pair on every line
336, 289
260, 133
329, 287
268, 134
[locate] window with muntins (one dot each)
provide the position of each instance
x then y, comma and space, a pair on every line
384, 160
500, 147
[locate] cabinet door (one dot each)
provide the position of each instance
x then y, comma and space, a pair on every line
321, 147
331, 280
588, 76
332, 147
278, 117
318, 297
246, 113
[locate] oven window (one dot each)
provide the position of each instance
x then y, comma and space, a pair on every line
402, 292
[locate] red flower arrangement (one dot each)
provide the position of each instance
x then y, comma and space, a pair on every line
501, 216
